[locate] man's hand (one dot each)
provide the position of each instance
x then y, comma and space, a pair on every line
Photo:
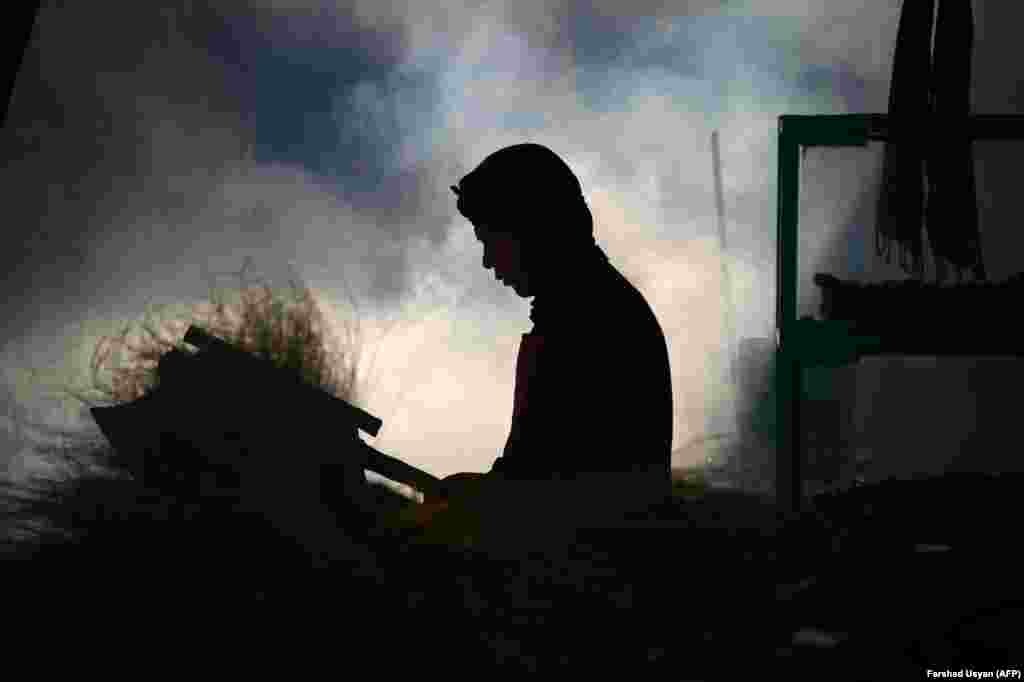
457, 489
450, 518
463, 485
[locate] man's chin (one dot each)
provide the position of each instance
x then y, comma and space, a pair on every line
520, 289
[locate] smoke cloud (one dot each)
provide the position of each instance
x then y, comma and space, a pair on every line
322, 137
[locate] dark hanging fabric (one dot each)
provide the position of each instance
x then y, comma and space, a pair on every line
901, 197
929, 103
952, 215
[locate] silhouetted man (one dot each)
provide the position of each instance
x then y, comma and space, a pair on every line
593, 388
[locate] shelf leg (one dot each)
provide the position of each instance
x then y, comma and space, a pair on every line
788, 474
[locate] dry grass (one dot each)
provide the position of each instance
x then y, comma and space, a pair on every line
92, 524
88, 485
289, 330
93, 515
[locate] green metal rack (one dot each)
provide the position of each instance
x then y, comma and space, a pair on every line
815, 343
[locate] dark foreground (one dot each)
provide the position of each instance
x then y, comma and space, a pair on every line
882, 582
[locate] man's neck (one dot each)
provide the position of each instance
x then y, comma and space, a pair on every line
568, 274
570, 282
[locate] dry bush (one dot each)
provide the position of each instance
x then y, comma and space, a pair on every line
81, 488
290, 331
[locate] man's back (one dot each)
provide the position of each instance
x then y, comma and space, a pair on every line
593, 382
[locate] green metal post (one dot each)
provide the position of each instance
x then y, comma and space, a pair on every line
788, 390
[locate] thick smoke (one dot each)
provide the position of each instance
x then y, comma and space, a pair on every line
326, 135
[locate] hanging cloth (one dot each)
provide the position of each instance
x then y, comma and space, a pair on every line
952, 215
901, 197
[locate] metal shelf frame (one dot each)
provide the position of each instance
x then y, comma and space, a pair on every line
809, 343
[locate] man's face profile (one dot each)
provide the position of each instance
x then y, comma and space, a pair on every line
504, 254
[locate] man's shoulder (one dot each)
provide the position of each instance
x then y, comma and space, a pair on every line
622, 299
601, 299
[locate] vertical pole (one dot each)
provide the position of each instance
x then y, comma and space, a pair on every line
730, 335
787, 472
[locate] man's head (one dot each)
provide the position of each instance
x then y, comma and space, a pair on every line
528, 210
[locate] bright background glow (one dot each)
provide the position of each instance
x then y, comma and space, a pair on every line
327, 135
